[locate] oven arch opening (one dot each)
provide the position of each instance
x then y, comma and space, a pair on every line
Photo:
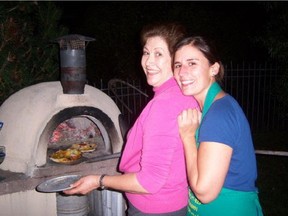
97, 116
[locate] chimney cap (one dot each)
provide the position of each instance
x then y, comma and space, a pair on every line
73, 41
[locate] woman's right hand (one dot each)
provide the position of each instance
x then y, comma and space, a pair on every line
84, 185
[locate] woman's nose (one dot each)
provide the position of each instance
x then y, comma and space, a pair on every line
182, 70
149, 60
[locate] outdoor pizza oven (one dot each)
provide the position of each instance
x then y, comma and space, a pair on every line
32, 115
49, 116
46, 117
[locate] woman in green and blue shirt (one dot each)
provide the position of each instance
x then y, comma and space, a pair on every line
220, 157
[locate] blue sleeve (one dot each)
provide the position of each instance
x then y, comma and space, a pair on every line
219, 125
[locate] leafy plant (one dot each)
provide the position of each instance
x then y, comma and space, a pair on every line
274, 39
27, 53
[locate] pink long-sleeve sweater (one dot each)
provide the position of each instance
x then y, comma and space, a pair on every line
154, 152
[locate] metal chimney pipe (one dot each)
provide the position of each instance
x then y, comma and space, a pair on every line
73, 62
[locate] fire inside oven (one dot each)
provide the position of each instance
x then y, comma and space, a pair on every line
80, 125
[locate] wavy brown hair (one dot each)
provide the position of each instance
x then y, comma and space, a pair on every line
171, 32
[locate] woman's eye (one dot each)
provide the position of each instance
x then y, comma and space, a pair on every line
191, 63
158, 54
177, 66
145, 53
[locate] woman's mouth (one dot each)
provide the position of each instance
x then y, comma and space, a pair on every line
187, 82
151, 72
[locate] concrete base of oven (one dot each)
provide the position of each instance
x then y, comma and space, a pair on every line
19, 197
28, 203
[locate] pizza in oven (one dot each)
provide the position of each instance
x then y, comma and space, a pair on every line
84, 147
66, 156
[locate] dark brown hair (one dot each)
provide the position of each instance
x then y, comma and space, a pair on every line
171, 32
208, 50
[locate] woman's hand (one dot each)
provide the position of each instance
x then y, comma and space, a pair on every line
84, 185
188, 122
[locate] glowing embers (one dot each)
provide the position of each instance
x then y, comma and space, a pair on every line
77, 128
75, 134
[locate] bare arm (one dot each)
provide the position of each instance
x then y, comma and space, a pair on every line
125, 182
207, 167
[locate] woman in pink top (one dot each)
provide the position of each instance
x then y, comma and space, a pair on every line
154, 175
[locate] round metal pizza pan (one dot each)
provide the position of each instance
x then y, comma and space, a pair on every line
57, 184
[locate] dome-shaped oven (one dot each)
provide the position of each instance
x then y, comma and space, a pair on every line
31, 114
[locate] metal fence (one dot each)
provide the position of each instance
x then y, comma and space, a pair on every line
130, 96
252, 85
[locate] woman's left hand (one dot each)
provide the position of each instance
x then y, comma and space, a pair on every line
188, 122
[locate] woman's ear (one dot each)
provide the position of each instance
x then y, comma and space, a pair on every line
214, 69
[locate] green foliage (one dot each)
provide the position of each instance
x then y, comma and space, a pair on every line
28, 54
275, 39
274, 36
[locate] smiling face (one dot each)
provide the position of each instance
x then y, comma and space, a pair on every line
156, 61
193, 72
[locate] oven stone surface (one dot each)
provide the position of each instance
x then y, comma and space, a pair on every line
12, 182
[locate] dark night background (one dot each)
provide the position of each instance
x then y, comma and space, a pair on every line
234, 27
249, 32
244, 31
